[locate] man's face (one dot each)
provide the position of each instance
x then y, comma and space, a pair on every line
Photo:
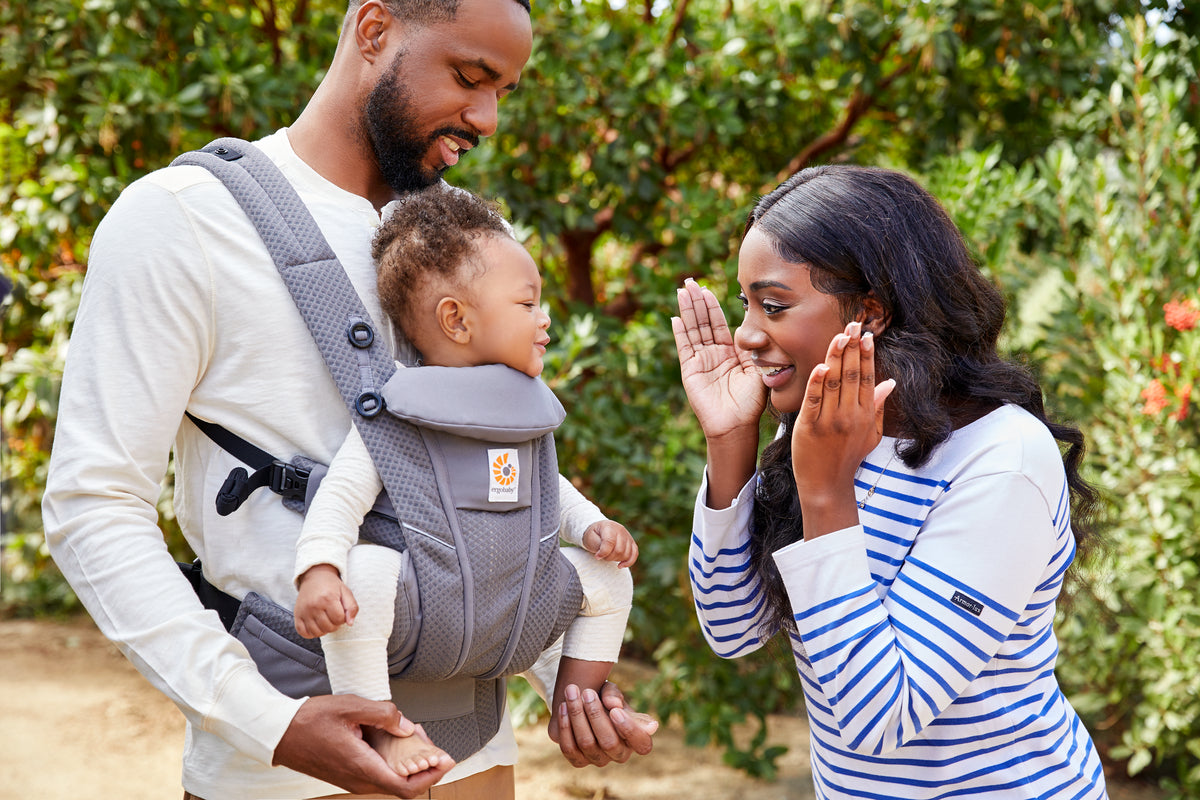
440, 91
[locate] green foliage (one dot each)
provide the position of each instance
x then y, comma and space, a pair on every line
638, 141
1097, 244
1126, 242
1061, 138
94, 95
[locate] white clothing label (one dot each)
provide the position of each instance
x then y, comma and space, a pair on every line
502, 475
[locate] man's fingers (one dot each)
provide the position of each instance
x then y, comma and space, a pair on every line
608, 742
592, 733
635, 729
324, 740
566, 738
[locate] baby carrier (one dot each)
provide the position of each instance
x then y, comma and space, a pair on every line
492, 589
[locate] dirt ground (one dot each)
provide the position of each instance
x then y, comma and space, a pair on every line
76, 720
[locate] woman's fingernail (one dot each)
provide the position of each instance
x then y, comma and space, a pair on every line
590, 696
571, 692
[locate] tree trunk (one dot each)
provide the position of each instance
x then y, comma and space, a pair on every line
578, 247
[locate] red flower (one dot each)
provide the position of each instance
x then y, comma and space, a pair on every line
1182, 315
1155, 396
1184, 393
1165, 365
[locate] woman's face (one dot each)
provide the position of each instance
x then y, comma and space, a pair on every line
788, 324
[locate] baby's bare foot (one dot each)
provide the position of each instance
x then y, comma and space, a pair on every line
407, 755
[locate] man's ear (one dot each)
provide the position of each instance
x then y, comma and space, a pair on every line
451, 315
372, 24
873, 316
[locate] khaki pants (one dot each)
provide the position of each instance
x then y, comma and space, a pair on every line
497, 783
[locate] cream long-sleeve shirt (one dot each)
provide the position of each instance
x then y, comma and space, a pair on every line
183, 310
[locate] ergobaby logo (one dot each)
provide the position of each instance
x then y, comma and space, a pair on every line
962, 601
502, 475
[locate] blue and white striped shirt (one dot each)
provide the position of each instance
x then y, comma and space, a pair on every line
925, 648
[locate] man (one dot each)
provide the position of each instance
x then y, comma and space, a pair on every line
183, 310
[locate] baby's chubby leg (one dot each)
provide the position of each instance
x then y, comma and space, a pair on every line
356, 655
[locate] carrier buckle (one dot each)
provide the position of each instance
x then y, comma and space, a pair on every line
285, 480
288, 480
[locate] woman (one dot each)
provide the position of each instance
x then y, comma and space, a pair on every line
910, 525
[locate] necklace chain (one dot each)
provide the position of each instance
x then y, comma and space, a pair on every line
863, 503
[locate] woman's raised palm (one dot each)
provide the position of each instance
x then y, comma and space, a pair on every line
723, 386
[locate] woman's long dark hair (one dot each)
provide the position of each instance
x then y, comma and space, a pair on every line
864, 231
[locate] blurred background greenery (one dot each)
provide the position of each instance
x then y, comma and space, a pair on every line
1062, 137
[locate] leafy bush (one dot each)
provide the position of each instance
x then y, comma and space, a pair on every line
92, 96
1127, 246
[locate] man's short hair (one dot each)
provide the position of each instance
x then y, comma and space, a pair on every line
425, 12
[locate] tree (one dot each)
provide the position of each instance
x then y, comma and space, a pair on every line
94, 96
648, 135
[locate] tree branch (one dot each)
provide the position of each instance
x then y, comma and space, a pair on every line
578, 245
270, 29
677, 24
860, 103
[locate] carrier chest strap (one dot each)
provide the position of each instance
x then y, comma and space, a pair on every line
285, 480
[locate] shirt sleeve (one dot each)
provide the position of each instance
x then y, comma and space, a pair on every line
575, 512
890, 659
725, 588
345, 495
140, 342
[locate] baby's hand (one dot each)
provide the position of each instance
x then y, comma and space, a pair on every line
610, 541
324, 604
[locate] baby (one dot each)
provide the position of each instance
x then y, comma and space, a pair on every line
465, 293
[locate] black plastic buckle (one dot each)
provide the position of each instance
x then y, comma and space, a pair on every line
288, 480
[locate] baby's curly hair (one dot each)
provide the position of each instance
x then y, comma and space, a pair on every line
430, 238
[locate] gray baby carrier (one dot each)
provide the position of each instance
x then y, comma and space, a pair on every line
492, 589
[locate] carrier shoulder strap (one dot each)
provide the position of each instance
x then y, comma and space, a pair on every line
357, 358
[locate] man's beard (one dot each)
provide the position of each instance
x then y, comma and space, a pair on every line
391, 129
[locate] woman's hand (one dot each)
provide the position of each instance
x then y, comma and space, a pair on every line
840, 422
724, 388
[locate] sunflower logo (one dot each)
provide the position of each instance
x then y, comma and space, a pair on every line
504, 472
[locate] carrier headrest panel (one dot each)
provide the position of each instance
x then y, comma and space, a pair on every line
493, 403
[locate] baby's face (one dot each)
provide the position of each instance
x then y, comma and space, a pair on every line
511, 326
